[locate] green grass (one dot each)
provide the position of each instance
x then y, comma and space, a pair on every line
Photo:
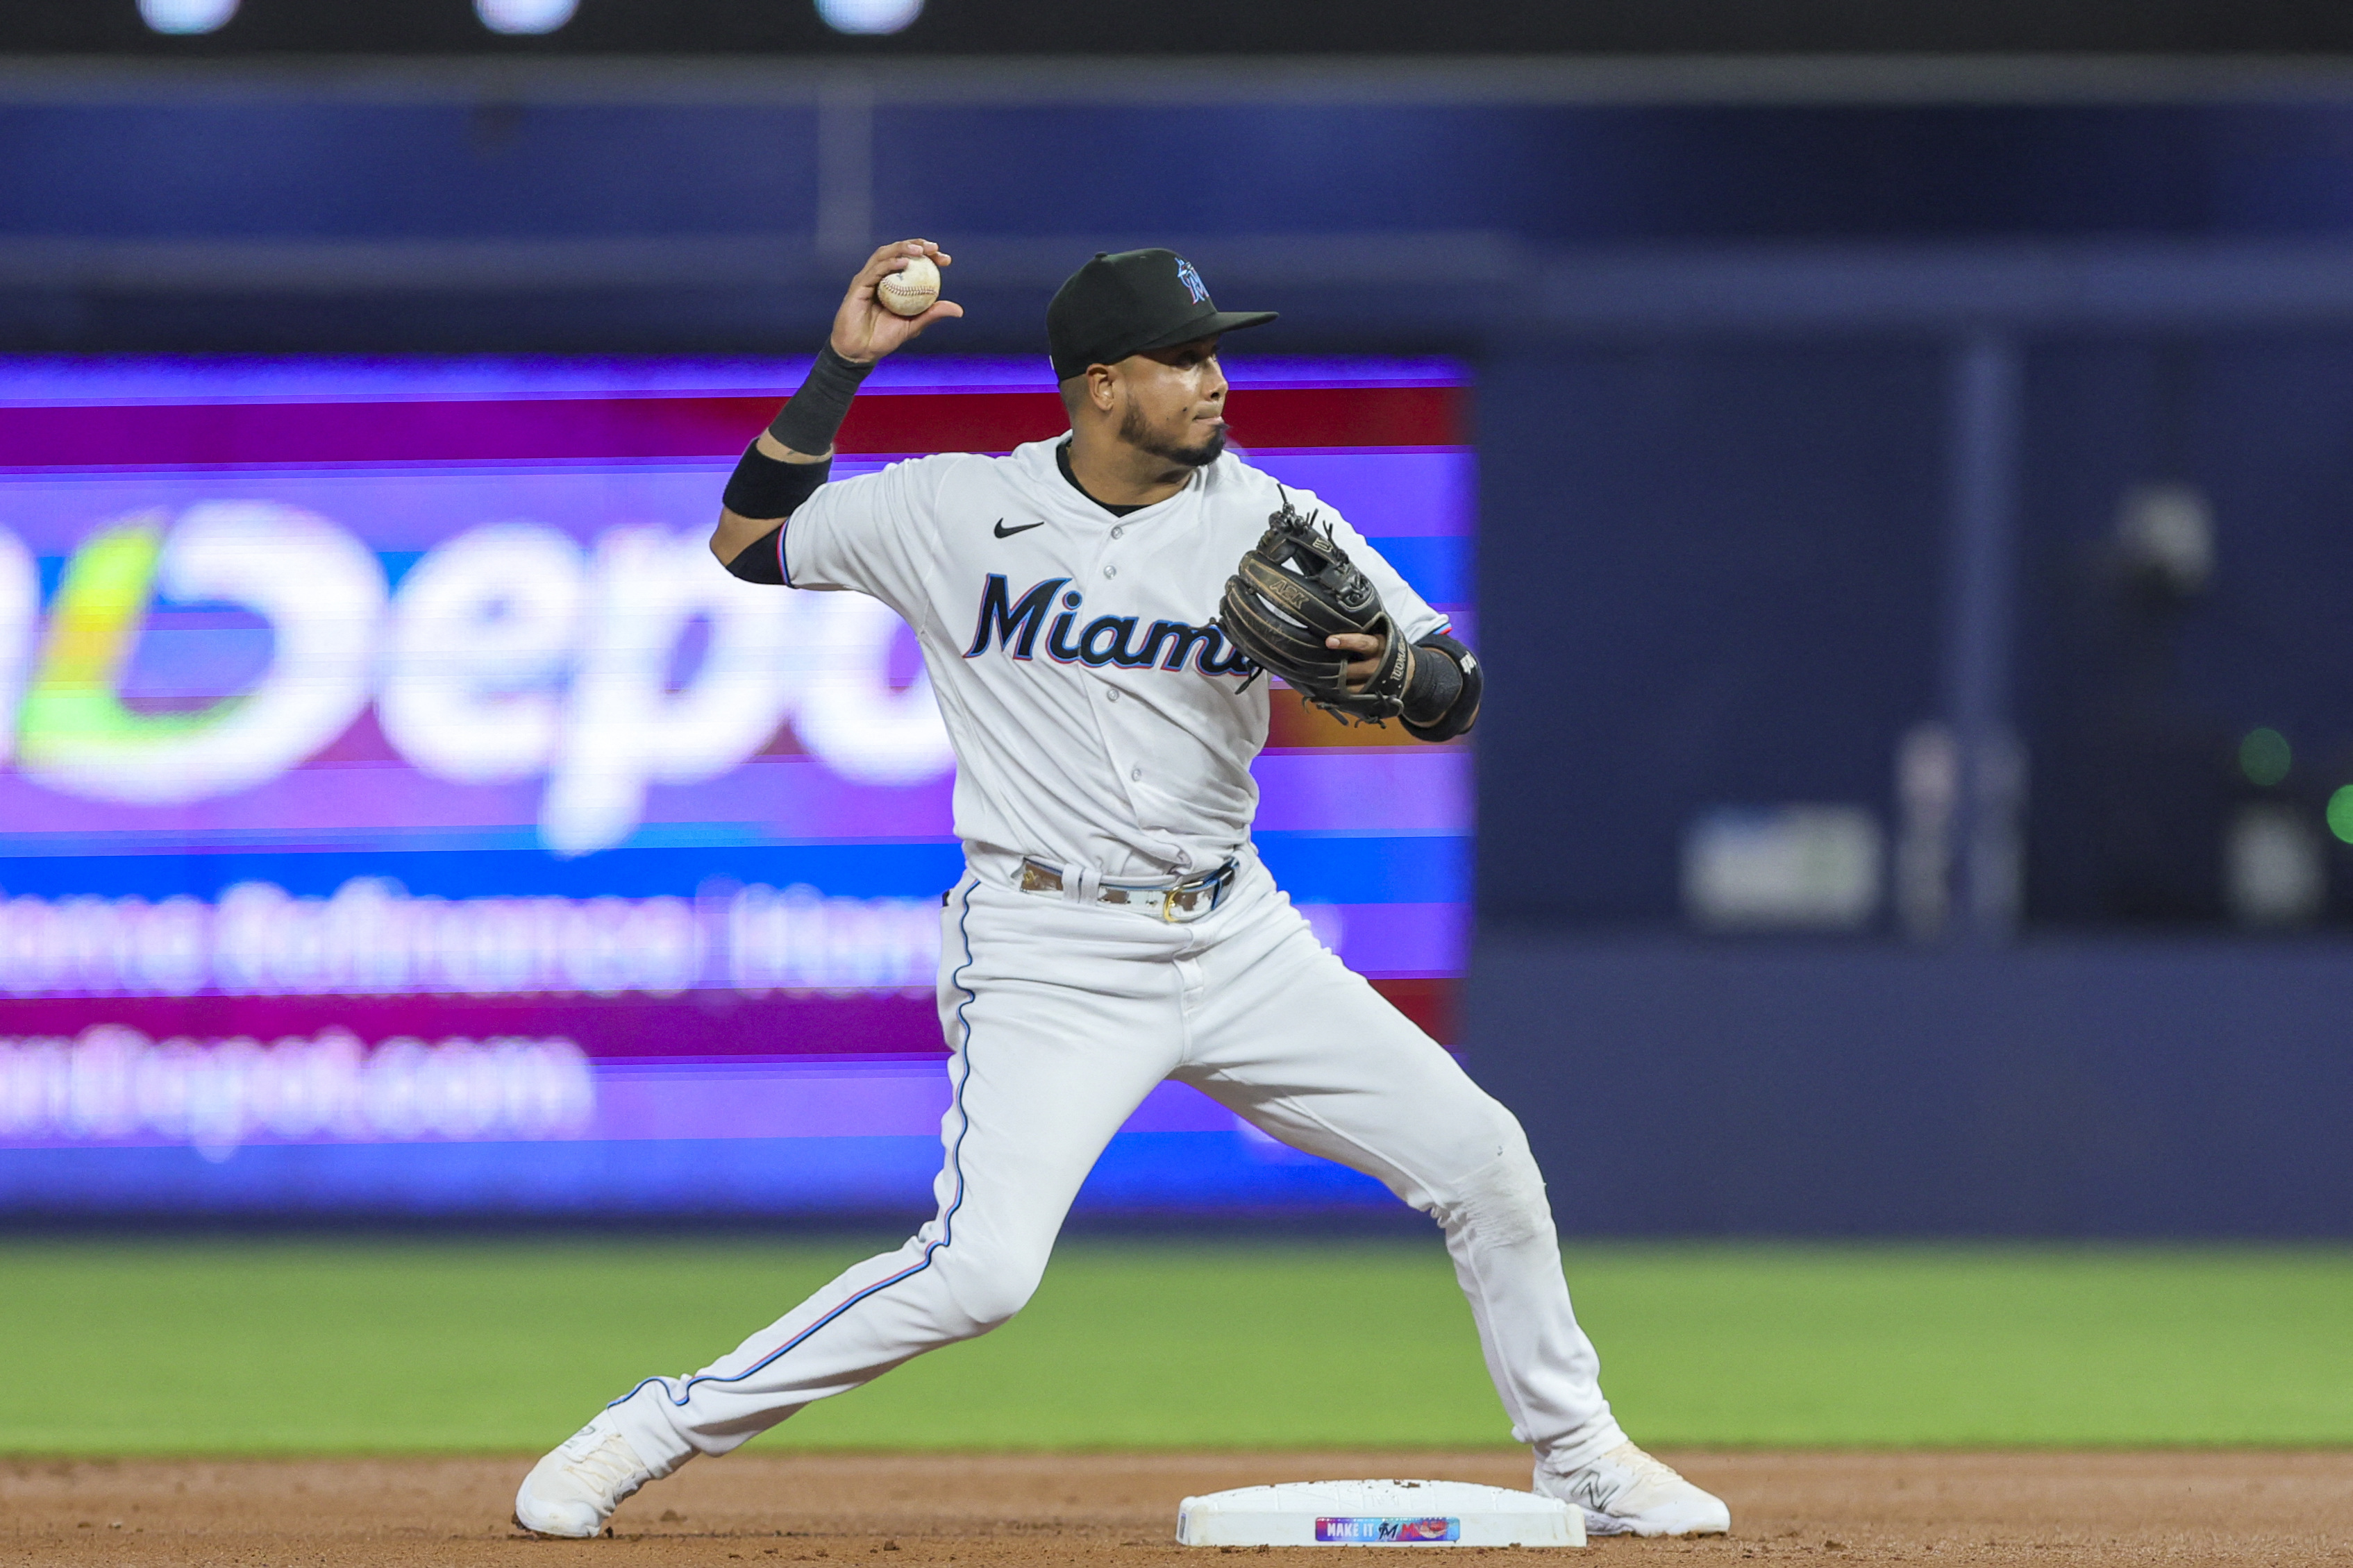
261, 1346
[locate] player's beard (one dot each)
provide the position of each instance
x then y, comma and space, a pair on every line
1135, 433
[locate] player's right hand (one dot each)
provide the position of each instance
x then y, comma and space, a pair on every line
864, 330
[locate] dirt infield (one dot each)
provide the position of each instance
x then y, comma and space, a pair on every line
1119, 1510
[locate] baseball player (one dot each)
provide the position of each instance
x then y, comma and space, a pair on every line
1113, 926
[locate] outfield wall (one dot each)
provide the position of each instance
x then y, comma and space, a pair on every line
2084, 1088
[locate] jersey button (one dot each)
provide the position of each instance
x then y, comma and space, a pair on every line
1119, 532
1135, 774
1111, 571
1110, 696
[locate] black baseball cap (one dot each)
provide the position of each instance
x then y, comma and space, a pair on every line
1132, 302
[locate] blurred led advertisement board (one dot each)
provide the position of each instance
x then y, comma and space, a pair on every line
400, 812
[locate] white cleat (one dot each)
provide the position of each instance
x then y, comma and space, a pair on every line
1626, 1492
574, 1490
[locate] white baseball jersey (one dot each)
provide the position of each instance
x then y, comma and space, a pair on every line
1099, 719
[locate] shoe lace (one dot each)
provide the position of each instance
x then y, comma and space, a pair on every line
1615, 1475
1641, 1466
610, 1467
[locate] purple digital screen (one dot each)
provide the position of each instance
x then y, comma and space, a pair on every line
401, 813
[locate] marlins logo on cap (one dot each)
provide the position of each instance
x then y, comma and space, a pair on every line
1192, 281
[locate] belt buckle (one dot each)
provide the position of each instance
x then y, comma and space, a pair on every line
1192, 891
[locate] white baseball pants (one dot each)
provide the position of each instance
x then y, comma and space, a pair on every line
1062, 1016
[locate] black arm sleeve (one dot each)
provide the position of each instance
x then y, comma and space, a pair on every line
762, 559
1441, 700
810, 421
763, 486
770, 487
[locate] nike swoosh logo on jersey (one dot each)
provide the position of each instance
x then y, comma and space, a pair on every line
1005, 533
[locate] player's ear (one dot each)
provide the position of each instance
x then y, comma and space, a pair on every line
1102, 386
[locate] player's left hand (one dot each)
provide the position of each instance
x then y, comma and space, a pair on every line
864, 330
1366, 661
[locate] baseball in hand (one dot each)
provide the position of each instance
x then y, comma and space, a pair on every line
911, 290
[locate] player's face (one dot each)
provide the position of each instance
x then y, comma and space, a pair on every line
1175, 402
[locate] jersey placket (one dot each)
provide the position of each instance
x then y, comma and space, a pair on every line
1116, 727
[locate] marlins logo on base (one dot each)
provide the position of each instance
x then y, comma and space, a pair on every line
1386, 1532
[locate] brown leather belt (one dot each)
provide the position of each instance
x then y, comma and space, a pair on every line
1177, 902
